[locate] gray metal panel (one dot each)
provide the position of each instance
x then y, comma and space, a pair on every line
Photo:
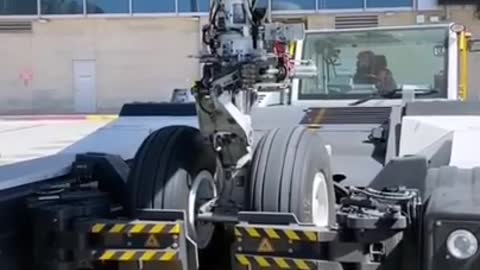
32, 171
450, 108
407, 171
360, 170
352, 156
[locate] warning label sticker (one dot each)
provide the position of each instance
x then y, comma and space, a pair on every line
265, 246
152, 242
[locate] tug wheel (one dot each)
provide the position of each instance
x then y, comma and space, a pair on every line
164, 170
291, 173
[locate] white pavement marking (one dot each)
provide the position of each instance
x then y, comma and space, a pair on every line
26, 140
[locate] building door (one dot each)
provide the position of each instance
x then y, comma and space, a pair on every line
85, 94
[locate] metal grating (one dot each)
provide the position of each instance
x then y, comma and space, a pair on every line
356, 21
15, 26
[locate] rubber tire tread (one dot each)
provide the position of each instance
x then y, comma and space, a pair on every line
164, 167
284, 164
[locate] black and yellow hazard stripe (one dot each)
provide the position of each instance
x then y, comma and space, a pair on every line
136, 255
276, 234
255, 262
150, 228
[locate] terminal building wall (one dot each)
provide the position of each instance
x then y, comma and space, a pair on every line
142, 58
134, 60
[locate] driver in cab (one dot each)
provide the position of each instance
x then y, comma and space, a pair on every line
372, 69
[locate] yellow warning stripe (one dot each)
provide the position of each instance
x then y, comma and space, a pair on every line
242, 259
292, 235
147, 256
261, 261
137, 228
272, 234
281, 263
107, 255
317, 120
311, 236
117, 228
127, 256
97, 228
175, 229
159, 228
277, 234
274, 262
137, 255
301, 264
252, 232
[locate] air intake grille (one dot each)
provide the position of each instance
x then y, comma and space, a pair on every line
356, 21
15, 26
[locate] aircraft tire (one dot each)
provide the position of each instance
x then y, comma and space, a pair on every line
164, 169
291, 172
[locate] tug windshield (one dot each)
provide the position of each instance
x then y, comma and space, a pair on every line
360, 63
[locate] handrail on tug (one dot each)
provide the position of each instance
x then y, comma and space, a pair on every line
465, 45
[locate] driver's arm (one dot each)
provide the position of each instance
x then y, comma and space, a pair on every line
385, 81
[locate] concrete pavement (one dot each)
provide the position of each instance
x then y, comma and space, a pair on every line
102, 117
29, 137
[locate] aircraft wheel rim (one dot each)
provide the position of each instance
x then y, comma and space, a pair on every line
203, 187
320, 208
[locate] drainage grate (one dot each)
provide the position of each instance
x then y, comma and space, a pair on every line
356, 21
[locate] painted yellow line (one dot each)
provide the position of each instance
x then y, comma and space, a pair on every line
101, 118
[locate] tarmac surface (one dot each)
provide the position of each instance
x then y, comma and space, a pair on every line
29, 137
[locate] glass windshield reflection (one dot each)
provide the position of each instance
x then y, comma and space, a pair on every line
355, 64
